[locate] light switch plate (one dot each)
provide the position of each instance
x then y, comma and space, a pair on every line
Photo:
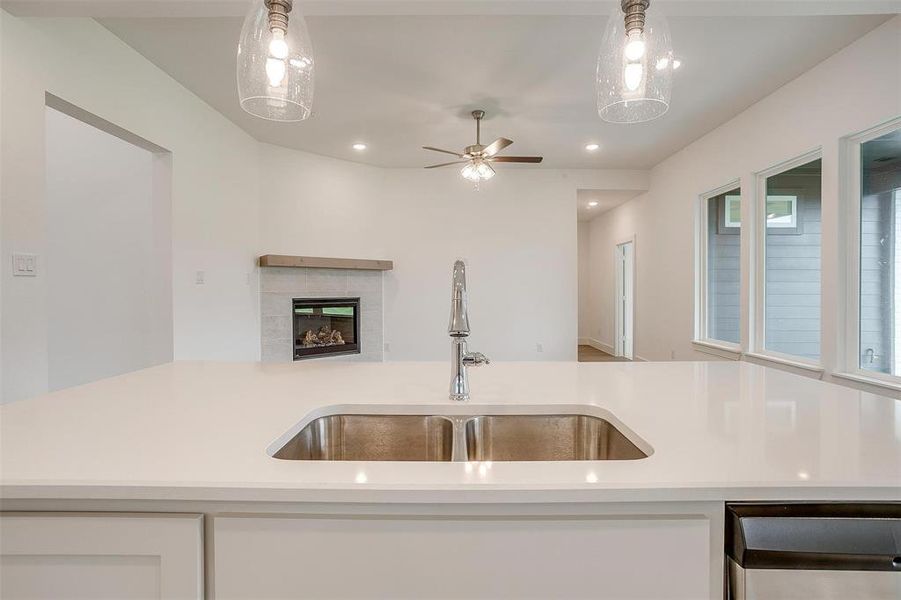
25, 265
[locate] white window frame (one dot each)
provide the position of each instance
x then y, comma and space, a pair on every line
794, 212
758, 231
850, 195
728, 222
702, 341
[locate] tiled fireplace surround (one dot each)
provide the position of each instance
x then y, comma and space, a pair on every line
280, 285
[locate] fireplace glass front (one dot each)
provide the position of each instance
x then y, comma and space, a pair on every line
326, 327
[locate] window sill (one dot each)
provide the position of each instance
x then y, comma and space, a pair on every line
715, 349
788, 362
856, 377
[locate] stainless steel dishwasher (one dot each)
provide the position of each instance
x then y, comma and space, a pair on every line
832, 551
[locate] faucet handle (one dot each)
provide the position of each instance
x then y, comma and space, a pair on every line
475, 359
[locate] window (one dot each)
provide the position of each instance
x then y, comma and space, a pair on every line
781, 211
879, 283
733, 210
719, 261
788, 297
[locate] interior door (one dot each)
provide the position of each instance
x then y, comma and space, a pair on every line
624, 299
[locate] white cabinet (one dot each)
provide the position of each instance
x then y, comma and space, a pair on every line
463, 558
101, 555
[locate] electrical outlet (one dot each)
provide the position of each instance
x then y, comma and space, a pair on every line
200, 277
25, 265
539, 348
387, 347
672, 355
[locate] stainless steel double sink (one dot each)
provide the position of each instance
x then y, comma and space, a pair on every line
444, 438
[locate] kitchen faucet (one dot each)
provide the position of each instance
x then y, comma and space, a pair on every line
458, 329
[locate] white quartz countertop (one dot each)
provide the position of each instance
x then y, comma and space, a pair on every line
199, 431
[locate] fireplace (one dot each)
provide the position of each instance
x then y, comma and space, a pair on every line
326, 327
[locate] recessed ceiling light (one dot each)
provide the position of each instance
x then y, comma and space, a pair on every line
592, 147
592, 204
359, 146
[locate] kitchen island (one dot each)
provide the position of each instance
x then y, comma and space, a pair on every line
191, 444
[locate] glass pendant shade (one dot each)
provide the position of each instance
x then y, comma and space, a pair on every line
275, 68
635, 71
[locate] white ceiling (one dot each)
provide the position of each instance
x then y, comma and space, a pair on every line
237, 8
606, 199
400, 82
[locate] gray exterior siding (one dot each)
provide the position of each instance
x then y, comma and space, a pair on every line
878, 238
875, 282
723, 274
793, 271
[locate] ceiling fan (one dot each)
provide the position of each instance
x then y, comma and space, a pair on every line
478, 156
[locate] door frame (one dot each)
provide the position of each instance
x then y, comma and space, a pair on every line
620, 347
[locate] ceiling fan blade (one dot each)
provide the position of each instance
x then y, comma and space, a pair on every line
457, 154
517, 159
456, 162
496, 146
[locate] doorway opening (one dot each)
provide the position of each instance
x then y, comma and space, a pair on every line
606, 328
624, 299
108, 259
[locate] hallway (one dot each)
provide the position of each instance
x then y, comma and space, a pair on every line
592, 354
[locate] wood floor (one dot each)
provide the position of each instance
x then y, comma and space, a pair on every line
591, 354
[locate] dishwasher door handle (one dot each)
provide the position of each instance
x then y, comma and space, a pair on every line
830, 537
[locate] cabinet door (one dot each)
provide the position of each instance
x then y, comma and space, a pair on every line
461, 558
100, 556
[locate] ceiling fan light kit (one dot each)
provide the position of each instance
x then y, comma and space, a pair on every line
275, 62
635, 65
477, 157
477, 170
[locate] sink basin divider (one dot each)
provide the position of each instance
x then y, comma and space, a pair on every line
459, 448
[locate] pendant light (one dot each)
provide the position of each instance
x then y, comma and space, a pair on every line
635, 65
275, 62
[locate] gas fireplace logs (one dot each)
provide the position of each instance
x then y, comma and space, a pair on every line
325, 337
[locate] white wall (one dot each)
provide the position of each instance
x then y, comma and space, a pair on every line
214, 190
109, 287
583, 241
853, 90
518, 235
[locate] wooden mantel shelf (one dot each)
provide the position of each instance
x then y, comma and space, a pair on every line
316, 262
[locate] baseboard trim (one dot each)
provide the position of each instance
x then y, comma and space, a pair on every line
596, 344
